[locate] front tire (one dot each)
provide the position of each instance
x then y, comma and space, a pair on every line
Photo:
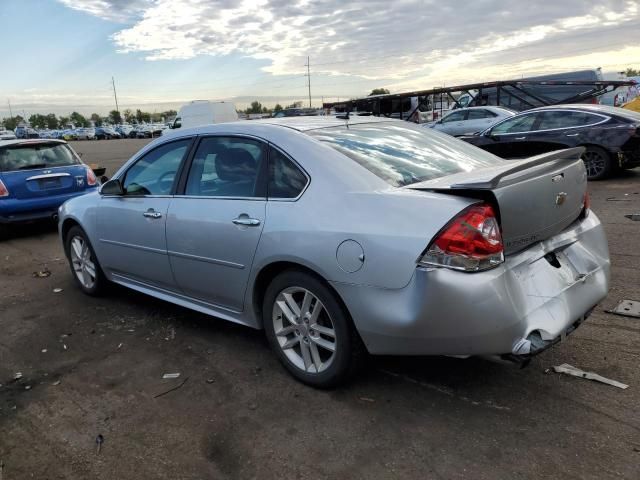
309, 330
598, 163
83, 263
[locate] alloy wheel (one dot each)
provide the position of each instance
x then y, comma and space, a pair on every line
594, 162
304, 330
83, 266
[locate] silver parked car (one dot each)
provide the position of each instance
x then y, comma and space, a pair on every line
470, 120
342, 238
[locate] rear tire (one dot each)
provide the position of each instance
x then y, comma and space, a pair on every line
598, 163
83, 263
315, 340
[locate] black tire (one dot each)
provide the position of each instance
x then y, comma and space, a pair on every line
349, 353
101, 283
598, 162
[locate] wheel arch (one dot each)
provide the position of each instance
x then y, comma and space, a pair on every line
270, 271
67, 224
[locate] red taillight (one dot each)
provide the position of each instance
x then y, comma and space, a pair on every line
471, 241
91, 177
4, 192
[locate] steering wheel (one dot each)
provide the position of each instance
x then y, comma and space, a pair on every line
164, 179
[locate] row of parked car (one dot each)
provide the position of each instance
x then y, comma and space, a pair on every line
91, 133
610, 135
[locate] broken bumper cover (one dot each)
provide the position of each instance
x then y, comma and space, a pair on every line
522, 307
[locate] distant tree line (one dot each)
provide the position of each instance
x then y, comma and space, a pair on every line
53, 122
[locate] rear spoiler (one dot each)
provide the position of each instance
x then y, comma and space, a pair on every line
492, 182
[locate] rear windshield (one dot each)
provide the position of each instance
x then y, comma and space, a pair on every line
41, 155
402, 155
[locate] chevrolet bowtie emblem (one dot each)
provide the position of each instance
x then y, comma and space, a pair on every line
560, 197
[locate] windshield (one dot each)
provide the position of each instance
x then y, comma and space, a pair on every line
41, 155
402, 155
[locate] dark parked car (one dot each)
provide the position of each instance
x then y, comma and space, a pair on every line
106, 133
25, 132
611, 136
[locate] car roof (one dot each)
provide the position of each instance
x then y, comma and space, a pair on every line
301, 124
604, 109
27, 141
305, 123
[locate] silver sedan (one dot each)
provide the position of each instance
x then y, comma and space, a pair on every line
470, 120
342, 238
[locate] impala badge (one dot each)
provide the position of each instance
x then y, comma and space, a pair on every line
560, 197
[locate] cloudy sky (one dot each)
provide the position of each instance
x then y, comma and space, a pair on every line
61, 54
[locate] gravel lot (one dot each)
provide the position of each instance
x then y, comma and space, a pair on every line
94, 366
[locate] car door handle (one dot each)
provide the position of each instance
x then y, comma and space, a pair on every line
572, 134
151, 213
520, 138
249, 222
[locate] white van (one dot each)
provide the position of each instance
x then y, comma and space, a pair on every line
204, 112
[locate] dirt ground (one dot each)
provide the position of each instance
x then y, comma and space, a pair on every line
94, 366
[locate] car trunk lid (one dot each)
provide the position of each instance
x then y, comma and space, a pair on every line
34, 183
536, 198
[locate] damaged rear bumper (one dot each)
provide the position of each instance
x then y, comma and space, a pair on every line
514, 311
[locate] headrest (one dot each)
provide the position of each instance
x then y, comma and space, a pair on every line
235, 164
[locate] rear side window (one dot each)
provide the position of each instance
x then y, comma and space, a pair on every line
286, 180
42, 155
402, 155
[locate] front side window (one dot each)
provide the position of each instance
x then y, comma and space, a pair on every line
286, 180
454, 117
155, 172
41, 155
401, 155
480, 114
226, 167
523, 123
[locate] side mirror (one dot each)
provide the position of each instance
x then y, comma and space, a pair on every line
112, 187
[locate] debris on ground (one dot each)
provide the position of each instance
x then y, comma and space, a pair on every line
576, 372
99, 442
367, 399
633, 216
57, 290
210, 380
626, 308
172, 389
17, 376
44, 350
42, 273
56, 383
170, 375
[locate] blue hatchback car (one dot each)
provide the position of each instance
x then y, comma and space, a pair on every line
37, 176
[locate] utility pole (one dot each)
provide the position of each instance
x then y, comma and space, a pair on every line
113, 82
309, 79
10, 111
